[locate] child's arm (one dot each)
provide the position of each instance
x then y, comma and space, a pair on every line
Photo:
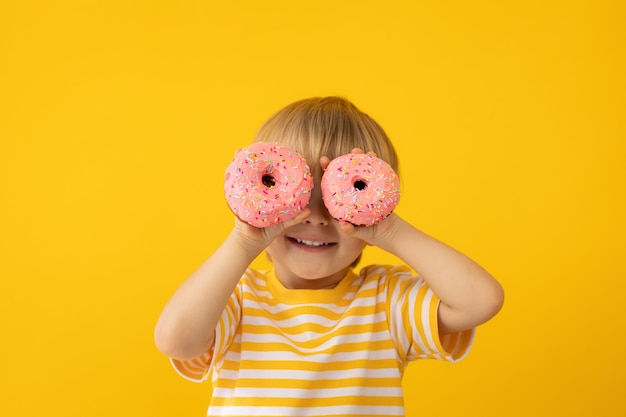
469, 295
186, 326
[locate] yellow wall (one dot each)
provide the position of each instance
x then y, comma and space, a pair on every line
118, 118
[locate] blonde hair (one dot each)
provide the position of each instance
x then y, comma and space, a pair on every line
326, 126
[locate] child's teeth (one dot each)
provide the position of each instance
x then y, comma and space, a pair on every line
311, 243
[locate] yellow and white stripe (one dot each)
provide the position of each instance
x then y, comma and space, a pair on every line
339, 352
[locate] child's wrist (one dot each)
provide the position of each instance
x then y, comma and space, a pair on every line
245, 245
389, 238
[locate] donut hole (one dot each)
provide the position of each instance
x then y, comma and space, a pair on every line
359, 184
268, 180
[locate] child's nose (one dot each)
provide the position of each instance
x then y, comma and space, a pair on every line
319, 213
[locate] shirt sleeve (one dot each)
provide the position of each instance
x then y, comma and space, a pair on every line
198, 369
412, 308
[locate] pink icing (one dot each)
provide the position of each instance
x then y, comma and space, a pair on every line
360, 189
266, 184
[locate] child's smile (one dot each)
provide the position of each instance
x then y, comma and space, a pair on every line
311, 244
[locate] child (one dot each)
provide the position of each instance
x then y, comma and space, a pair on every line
312, 337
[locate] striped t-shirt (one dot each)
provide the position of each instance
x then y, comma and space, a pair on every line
329, 352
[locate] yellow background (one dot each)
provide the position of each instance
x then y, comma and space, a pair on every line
119, 117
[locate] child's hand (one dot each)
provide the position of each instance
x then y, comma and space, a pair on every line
257, 239
377, 235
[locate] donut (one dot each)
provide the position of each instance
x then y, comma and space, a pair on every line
360, 189
266, 184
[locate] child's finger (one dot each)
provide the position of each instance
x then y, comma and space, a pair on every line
359, 150
324, 161
298, 219
346, 227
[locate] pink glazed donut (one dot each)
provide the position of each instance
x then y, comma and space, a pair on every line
266, 184
360, 189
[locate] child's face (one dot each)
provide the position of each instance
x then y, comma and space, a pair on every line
315, 253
